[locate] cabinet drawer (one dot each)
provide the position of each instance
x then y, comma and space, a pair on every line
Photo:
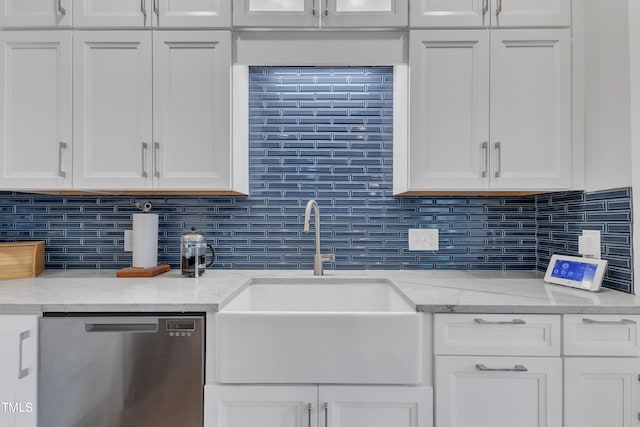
601, 335
497, 334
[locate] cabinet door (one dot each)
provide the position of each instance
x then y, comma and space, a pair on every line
193, 13
531, 109
449, 110
35, 13
18, 370
476, 391
192, 79
35, 113
276, 13
260, 406
375, 406
112, 110
113, 13
449, 13
601, 392
531, 13
371, 13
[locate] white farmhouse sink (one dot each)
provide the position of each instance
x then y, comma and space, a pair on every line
319, 330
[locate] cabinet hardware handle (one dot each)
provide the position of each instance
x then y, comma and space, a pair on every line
485, 7
313, 8
509, 322
308, 414
22, 372
325, 406
499, 8
485, 149
143, 9
516, 368
61, 9
609, 322
156, 10
61, 146
145, 147
498, 147
326, 7
156, 159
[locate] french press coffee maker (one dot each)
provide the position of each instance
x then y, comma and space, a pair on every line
193, 248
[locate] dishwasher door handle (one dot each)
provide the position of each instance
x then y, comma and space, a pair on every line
121, 327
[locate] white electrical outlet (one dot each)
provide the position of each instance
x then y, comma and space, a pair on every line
128, 240
423, 239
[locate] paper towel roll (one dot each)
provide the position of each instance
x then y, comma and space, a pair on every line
145, 240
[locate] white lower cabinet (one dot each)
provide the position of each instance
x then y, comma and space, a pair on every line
602, 392
475, 391
312, 406
18, 370
605, 390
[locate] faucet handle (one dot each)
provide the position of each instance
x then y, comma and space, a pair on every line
328, 257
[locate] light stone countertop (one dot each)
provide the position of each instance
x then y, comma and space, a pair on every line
431, 291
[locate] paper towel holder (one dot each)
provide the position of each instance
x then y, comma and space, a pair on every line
144, 207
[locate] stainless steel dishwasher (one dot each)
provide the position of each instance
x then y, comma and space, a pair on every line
115, 371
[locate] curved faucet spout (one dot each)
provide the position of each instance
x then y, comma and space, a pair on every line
318, 258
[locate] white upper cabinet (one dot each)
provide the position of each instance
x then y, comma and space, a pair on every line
531, 109
321, 13
181, 141
113, 13
490, 110
193, 13
35, 13
19, 370
156, 13
495, 13
35, 113
449, 109
191, 95
112, 110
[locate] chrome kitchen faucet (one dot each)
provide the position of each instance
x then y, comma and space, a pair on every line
318, 258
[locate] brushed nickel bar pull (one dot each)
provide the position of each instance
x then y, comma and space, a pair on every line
22, 372
61, 146
508, 322
156, 159
516, 368
326, 7
145, 147
485, 149
325, 406
498, 147
499, 8
485, 7
61, 9
143, 9
313, 8
308, 414
609, 322
156, 10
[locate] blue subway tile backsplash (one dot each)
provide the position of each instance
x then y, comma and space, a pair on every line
326, 133
561, 217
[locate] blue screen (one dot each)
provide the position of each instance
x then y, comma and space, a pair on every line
573, 270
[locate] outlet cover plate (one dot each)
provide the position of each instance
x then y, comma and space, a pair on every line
423, 239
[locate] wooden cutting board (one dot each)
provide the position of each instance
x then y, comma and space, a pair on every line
143, 272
